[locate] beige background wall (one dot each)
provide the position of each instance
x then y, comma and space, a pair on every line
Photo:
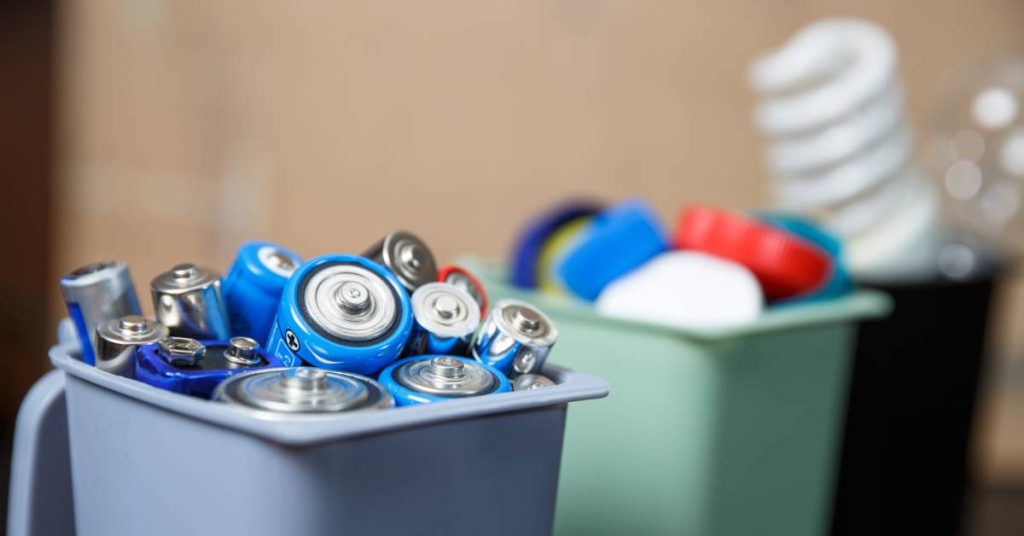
189, 126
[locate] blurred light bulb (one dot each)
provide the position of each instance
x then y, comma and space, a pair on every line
832, 107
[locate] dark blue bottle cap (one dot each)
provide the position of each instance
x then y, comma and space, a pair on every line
526, 250
617, 241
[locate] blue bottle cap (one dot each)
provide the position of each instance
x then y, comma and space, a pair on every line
526, 250
616, 242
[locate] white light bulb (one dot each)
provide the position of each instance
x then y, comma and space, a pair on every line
839, 147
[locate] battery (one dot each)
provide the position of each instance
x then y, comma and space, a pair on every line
436, 378
192, 367
341, 312
529, 382
515, 338
95, 293
407, 256
118, 339
188, 301
303, 390
462, 278
445, 319
253, 285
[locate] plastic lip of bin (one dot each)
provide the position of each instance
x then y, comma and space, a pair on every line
181, 465
715, 432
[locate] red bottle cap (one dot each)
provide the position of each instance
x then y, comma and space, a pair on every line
459, 276
783, 263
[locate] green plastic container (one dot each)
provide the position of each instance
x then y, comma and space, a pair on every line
706, 432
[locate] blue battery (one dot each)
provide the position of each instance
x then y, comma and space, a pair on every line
195, 368
94, 294
253, 286
427, 379
341, 312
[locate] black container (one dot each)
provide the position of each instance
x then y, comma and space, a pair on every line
904, 463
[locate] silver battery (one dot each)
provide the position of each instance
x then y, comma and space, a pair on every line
446, 318
95, 293
446, 376
303, 390
515, 338
529, 382
118, 339
407, 256
188, 301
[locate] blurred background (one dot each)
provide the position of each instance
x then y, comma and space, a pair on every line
157, 131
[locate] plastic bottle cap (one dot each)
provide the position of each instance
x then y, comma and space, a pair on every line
685, 289
783, 263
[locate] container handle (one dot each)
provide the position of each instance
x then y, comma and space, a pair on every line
40, 502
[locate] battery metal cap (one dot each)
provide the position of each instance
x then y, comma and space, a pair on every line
242, 351
529, 382
445, 376
350, 302
525, 323
407, 256
131, 329
182, 351
303, 390
464, 279
183, 278
445, 310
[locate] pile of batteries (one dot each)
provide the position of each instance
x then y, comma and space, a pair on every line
719, 269
342, 332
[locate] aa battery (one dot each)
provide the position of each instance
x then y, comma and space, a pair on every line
94, 293
529, 382
436, 378
342, 312
253, 285
407, 256
446, 318
515, 338
117, 341
462, 278
303, 390
192, 367
188, 301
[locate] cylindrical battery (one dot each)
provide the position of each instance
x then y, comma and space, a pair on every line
95, 293
529, 382
462, 278
436, 378
407, 256
117, 341
253, 285
191, 367
515, 338
446, 318
341, 312
188, 301
303, 390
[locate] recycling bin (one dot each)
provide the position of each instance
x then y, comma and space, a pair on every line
913, 399
708, 432
147, 461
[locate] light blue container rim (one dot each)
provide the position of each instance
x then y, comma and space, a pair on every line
858, 305
308, 430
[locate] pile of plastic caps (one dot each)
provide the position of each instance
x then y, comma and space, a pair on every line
716, 269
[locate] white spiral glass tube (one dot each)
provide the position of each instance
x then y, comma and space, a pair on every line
832, 107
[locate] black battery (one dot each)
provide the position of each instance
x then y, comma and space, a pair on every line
904, 465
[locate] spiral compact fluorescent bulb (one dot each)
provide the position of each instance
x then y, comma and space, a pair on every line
840, 146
